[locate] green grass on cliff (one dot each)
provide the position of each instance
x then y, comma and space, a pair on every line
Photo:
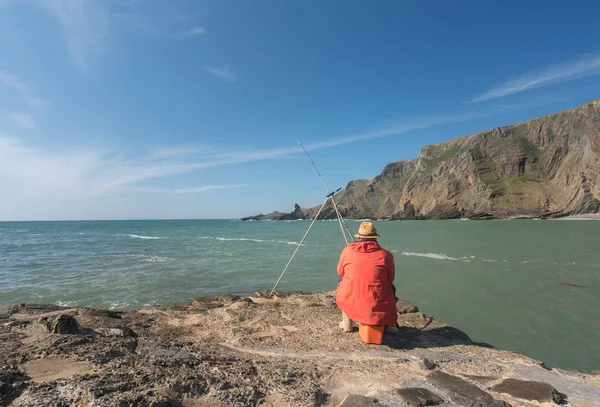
434, 160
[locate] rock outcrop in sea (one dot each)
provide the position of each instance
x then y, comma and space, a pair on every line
546, 167
249, 351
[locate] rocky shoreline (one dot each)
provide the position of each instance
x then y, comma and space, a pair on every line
308, 214
247, 351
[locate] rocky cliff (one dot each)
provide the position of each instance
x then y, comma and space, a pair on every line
545, 167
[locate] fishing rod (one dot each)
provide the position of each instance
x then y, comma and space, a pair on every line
330, 195
339, 215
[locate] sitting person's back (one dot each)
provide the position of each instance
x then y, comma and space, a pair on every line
366, 292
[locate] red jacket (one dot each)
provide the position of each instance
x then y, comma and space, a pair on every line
365, 293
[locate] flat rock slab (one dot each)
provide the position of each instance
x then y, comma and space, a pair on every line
49, 369
480, 379
38, 308
528, 390
355, 400
462, 392
416, 397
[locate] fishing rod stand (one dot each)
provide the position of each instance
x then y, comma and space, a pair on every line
342, 222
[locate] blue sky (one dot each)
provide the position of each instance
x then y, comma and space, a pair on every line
121, 109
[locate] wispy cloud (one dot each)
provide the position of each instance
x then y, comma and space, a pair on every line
23, 120
84, 24
224, 73
10, 80
587, 65
174, 152
394, 129
195, 190
194, 32
29, 174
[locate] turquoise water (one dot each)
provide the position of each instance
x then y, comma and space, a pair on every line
527, 286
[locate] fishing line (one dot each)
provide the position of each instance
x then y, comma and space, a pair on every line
339, 215
341, 220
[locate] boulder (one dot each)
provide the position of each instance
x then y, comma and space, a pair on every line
4, 312
426, 364
529, 390
405, 307
417, 397
62, 324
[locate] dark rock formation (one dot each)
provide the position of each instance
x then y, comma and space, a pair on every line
462, 392
542, 168
296, 214
528, 390
416, 397
63, 324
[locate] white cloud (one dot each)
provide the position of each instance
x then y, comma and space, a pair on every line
11, 80
25, 121
224, 73
587, 65
193, 32
84, 24
30, 172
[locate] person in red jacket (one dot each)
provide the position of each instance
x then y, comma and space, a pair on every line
366, 293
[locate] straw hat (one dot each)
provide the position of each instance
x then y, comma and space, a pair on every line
366, 231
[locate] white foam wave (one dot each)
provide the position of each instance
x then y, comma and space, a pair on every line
238, 239
144, 237
247, 239
155, 259
118, 304
430, 255
65, 303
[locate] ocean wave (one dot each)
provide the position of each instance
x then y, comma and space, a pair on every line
238, 239
155, 259
430, 255
66, 303
144, 237
248, 239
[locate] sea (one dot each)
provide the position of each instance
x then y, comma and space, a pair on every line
521, 285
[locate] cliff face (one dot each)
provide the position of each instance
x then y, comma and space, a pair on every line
545, 167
